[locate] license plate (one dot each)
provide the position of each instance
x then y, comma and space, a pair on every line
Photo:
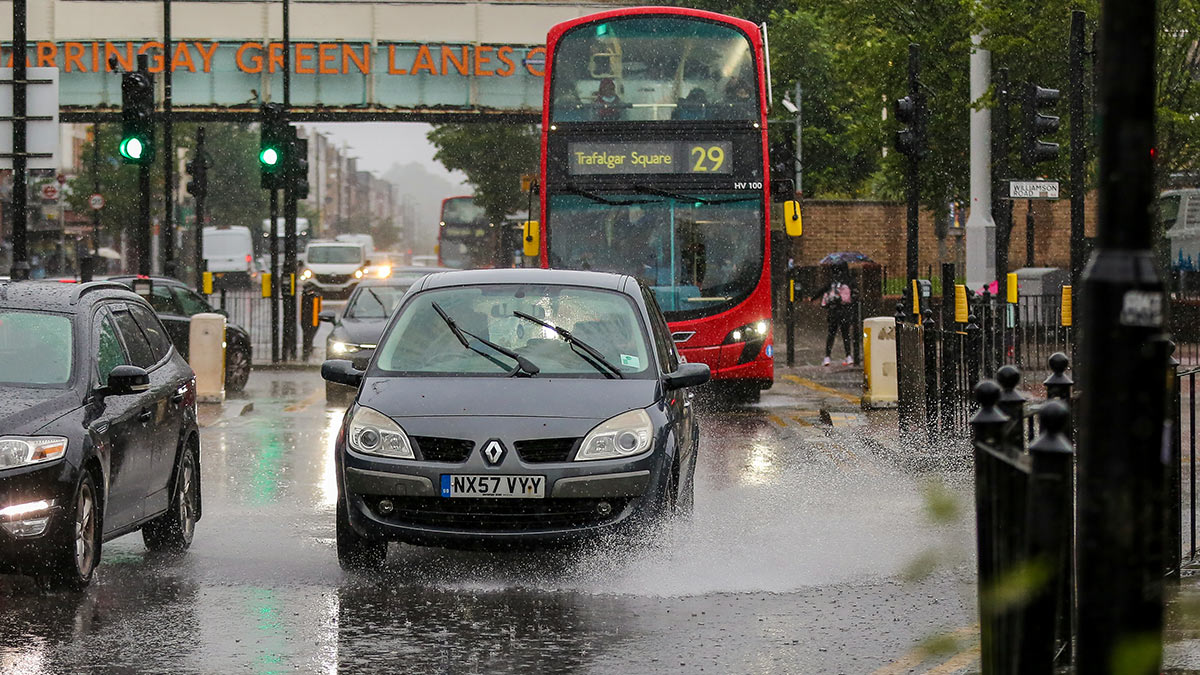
461, 485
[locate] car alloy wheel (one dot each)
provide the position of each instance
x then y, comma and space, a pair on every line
237, 370
85, 531
76, 552
173, 530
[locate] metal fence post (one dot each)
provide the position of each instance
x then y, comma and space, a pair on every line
1012, 404
929, 334
987, 427
951, 400
1046, 626
901, 414
973, 356
1173, 532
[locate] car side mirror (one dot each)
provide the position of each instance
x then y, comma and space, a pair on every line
327, 317
341, 371
688, 375
127, 379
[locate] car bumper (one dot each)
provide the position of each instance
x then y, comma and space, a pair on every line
332, 290
579, 502
744, 362
25, 537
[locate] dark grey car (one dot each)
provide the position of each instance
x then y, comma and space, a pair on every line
511, 407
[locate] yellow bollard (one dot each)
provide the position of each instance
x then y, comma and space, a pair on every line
960, 303
791, 290
1066, 306
206, 281
1011, 287
916, 295
266, 284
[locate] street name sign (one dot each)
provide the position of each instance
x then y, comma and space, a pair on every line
1033, 189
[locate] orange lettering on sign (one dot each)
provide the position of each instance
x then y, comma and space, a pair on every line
95, 57
45, 54
206, 55
124, 60
348, 55
73, 55
463, 66
182, 58
424, 61
509, 67
156, 59
327, 58
275, 56
304, 53
536, 51
256, 60
482, 59
392, 69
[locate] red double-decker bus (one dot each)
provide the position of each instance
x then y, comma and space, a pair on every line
654, 164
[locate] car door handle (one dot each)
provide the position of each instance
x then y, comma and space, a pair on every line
177, 397
146, 414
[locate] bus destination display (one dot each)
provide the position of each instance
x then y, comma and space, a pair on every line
677, 157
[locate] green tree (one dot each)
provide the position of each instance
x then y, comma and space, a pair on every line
493, 156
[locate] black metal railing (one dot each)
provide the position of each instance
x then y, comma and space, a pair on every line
248, 309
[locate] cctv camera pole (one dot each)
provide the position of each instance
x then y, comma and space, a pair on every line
20, 254
1123, 370
168, 231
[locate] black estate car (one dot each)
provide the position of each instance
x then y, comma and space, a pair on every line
98, 433
175, 305
512, 407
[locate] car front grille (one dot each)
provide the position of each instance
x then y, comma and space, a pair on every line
435, 449
502, 515
332, 278
543, 450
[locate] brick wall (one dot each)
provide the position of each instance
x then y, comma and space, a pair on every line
878, 230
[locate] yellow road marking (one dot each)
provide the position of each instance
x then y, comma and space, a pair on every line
801, 421
804, 382
308, 400
917, 654
776, 419
957, 662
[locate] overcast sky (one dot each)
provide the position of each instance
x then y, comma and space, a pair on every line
379, 145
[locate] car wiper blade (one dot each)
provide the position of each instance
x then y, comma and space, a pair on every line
523, 364
600, 199
593, 355
678, 196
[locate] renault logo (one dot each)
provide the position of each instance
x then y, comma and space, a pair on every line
493, 452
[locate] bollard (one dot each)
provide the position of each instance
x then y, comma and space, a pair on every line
929, 340
1012, 404
206, 355
1047, 622
987, 426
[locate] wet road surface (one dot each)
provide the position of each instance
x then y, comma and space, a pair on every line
809, 552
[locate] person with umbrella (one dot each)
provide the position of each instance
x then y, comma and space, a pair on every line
838, 300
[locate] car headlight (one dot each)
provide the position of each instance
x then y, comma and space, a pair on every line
383, 271
625, 435
751, 332
373, 433
306, 274
339, 347
23, 450
358, 274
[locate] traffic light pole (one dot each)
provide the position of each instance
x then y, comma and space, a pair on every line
20, 194
1123, 363
912, 172
289, 201
1079, 126
200, 196
274, 240
168, 229
143, 224
1029, 233
1002, 206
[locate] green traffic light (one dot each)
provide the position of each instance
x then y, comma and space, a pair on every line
269, 156
132, 148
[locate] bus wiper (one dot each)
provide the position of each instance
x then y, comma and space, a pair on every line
647, 190
589, 354
524, 365
600, 199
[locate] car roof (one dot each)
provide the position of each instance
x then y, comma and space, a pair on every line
603, 280
59, 296
127, 279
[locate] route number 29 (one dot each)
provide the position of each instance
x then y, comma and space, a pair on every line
707, 159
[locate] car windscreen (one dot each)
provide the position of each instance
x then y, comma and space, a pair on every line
421, 343
35, 349
334, 255
374, 302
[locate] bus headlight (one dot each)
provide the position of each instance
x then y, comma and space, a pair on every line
751, 332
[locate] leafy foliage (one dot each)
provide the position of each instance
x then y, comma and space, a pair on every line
493, 156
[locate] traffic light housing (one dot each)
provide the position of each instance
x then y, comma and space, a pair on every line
910, 139
137, 118
272, 145
298, 165
1035, 124
198, 170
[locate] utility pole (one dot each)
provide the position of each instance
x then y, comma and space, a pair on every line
168, 231
1123, 362
1079, 126
20, 192
980, 229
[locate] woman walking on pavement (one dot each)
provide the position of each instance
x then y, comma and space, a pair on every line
838, 301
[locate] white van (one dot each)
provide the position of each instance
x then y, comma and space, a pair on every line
229, 252
333, 267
